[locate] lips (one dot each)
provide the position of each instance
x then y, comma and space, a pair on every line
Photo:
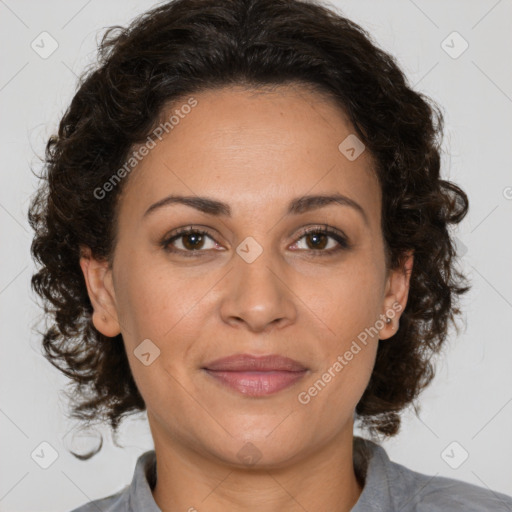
256, 376
249, 363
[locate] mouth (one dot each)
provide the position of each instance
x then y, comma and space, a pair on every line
256, 376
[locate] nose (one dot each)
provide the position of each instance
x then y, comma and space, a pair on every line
256, 295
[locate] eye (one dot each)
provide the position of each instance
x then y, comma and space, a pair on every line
317, 239
192, 241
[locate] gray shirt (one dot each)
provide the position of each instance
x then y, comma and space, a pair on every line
388, 487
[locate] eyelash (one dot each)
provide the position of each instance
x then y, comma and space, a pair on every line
324, 230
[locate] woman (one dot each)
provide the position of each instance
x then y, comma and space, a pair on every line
243, 231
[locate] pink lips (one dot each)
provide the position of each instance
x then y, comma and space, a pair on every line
256, 376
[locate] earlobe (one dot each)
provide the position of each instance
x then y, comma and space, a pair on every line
397, 292
98, 279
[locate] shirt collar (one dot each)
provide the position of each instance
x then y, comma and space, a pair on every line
144, 478
376, 496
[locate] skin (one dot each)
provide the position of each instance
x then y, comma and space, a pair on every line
256, 151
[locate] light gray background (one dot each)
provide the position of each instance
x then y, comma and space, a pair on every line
470, 400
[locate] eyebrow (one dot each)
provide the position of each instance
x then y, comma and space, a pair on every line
296, 206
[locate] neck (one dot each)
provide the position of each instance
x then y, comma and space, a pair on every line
322, 480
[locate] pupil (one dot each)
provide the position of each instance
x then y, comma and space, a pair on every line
195, 236
315, 236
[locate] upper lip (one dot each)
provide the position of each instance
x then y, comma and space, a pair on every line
248, 362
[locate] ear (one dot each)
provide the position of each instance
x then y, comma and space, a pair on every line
395, 299
98, 279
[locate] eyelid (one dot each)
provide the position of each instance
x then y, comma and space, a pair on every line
336, 234
181, 232
323, 228
344, 244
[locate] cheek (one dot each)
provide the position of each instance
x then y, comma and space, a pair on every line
348, 360
155, 305
346, 301
151, 298
330, 397
349, 305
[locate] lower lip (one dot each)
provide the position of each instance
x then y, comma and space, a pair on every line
257, 383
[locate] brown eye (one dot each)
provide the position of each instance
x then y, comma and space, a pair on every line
318, 240
324, 241
192, 240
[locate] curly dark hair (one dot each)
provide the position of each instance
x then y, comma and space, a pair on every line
188, 46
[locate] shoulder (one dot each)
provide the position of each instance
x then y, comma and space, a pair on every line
419, 492
401, 488
427, 493
117, 502
134, 497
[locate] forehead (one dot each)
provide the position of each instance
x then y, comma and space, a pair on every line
253, 148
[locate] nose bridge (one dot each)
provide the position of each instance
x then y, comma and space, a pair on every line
256, 293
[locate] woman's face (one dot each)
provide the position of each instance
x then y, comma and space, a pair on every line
255, 283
